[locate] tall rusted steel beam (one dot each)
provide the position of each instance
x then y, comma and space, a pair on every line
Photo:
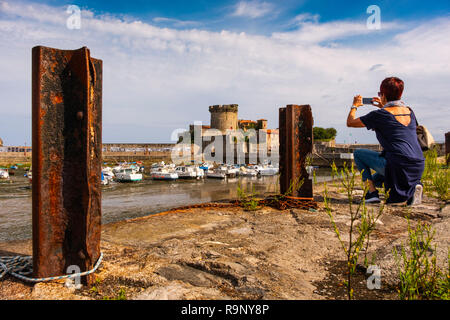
447, 147
296, 142
67, 153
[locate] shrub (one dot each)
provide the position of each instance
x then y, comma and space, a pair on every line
420, 278
359, 233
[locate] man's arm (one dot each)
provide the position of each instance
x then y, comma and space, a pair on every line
351, 121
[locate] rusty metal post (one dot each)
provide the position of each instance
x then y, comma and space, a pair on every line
67, 153
447, 147
296, 142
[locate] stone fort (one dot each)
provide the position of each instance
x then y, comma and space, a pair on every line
225, 117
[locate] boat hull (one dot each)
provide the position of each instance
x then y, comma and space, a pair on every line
128, 177
164, 176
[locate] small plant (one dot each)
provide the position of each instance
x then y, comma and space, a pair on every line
362, 224
248, 200
441, 184
436, 177
334, 170
420, 277
431, 163
121, 295
293, 186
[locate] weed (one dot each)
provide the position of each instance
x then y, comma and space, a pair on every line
362, 223
436, 177
295, 185
248, 200
441, 184
121, 295
420, 277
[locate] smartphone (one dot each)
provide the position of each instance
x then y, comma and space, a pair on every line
367, 100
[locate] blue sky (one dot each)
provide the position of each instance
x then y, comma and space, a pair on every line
212, 12
165, 62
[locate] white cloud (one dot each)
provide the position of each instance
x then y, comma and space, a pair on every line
159, 79
176, 22
310, 31
306, 17
252, 9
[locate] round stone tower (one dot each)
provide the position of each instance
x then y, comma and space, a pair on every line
224, 117
1, 142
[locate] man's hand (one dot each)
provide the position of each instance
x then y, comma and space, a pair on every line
377, 102
357, 101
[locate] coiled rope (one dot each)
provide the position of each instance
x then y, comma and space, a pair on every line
21, 266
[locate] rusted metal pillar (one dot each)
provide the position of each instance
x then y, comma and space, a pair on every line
447, 147
67, 153
296, 142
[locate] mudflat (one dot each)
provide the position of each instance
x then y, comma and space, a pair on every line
229, 253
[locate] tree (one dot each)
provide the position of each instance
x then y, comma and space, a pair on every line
324, 134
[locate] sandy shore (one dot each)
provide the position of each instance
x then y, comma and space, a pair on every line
229, 253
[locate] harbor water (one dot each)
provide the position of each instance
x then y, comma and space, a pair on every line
121, 201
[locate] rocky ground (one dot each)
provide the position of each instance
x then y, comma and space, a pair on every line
229, 253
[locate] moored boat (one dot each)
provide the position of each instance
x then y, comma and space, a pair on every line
185, 172
247, 172
29, 175
128, 175
4, 174
108, 173
216, 174
266, 170
163, 174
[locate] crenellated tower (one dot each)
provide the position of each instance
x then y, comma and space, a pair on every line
224, 117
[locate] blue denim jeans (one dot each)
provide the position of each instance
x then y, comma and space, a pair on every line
366, 160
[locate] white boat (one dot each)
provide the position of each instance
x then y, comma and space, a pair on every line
4, 174
29, 175
108, 173
104, 181
200, 172
206, 166
267, 170
186, 172
117, 168
163, 174
216, 174
140, 167
230, 171
248, 172
128, 175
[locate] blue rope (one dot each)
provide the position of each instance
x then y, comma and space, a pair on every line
21, 266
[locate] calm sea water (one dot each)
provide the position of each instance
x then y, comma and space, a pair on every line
121, 201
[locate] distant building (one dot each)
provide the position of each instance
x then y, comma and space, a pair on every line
1, 142
225, 117
247, 124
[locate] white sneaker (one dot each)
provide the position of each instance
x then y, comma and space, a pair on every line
417, 197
